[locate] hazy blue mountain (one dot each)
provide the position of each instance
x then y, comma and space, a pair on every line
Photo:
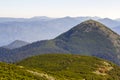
117, 29
109, 22
41, 18
87, 18
87, 38
41, 28
36, 18
10, 19
16, 44
34, 29
118, 19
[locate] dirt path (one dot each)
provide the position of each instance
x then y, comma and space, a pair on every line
103, 69
41, 75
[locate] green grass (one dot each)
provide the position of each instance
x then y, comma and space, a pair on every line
71, 67
13, 72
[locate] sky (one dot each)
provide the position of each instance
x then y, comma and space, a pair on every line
60, 8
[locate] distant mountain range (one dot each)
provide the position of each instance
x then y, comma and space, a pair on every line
117, 29
87, 38
40, 28
16, 44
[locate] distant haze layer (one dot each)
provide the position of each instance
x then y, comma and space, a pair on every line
41, 28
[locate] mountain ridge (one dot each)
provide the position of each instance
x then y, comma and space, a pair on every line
16, 44
109, 37
87, 38
21, 28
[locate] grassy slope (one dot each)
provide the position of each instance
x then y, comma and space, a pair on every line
73, 67
13, 72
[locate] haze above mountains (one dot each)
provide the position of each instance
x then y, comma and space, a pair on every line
41, 28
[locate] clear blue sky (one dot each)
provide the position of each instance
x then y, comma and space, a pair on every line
60, 8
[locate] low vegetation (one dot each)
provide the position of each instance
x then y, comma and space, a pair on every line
13, 72
72, 67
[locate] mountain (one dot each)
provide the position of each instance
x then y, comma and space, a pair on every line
40, 18
87, 38
73, 67
16, 44
109, 22
10, 19
27, 29
91, 38
13, 72
117, 29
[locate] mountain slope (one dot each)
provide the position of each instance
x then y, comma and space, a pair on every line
87, 38
91, 38
27, 29
73, 67
16, 44
13, 72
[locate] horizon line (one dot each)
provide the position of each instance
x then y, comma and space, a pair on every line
57, 17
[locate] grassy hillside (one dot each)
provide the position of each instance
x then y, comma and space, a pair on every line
73, 67
13, 72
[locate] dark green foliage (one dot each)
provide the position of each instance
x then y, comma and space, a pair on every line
13, 72
71, 67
